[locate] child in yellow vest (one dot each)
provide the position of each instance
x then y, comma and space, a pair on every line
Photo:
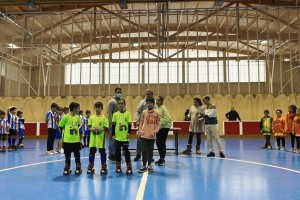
98, 125
121, 127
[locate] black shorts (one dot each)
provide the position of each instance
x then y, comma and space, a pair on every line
2, 137
12, 132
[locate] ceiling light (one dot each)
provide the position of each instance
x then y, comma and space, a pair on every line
286, 59
199, 43
135, 44
12, 46
73, 45
263, 42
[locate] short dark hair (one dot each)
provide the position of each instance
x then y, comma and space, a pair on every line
279, 110
293, 107
198, 100
2, 112
207, 98
14, 108
98, 104
54, 105
65, 109
73, 106
151, 99
19, 113
87, 112
117, 88
122, 100
81, 112
266, 111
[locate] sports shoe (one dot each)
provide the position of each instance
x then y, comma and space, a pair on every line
54, 151
137, 158
277, 148
222, 154
282, 148
211, 154
61, 151
112, 158
49, 153
160, 162
269, 147
143, 169
150, 168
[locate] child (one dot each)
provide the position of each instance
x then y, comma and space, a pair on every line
266, 128
288, 125
148, 128
121, 127
98, 125
58, 134
86, 131
296, 129
3, 130
52, 122
196, 126
278, 125
21, 129
162, 134
13, 128
69, 125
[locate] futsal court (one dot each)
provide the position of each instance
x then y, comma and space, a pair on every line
247, 172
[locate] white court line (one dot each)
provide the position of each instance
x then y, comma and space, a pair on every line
141, 191
250, 162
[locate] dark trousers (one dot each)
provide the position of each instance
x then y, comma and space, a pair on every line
68, 149
147, 150
125, 145
282, 139
161, 138
298, 142
293, 139
51, 138
191, 138
268, 140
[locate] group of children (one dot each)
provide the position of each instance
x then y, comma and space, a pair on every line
98, 124
10, 128
280, 127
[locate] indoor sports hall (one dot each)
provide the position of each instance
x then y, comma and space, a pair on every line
221, 56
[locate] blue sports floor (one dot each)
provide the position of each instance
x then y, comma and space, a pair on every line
247, 172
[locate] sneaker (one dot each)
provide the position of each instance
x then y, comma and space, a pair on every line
222, 154
49, 153
292, 150
160, 162
54, 151
112, 158
277, 148
269, 147
143, 169
61, 151
150, 168
211, 154
282, 148
137, 158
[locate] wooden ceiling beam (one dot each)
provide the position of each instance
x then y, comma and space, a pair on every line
97, 2
106, 40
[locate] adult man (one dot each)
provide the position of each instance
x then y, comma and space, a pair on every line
211, 127
232, 115
112, 107
140, 108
